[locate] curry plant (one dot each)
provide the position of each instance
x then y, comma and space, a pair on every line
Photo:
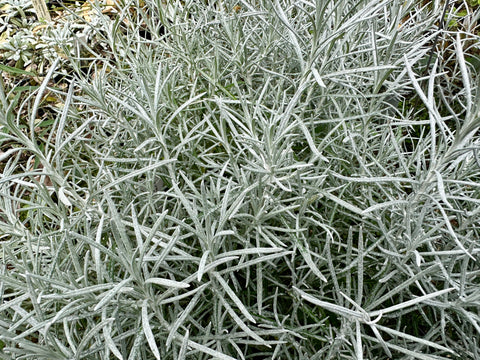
248, 180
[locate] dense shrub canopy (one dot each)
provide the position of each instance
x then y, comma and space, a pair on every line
247, 180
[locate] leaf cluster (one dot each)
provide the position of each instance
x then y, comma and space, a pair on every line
247, 180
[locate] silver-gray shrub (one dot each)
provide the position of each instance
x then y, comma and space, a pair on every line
250, 180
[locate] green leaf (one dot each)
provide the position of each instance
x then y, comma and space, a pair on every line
15, 71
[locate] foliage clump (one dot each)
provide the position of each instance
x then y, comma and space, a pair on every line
246, 180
